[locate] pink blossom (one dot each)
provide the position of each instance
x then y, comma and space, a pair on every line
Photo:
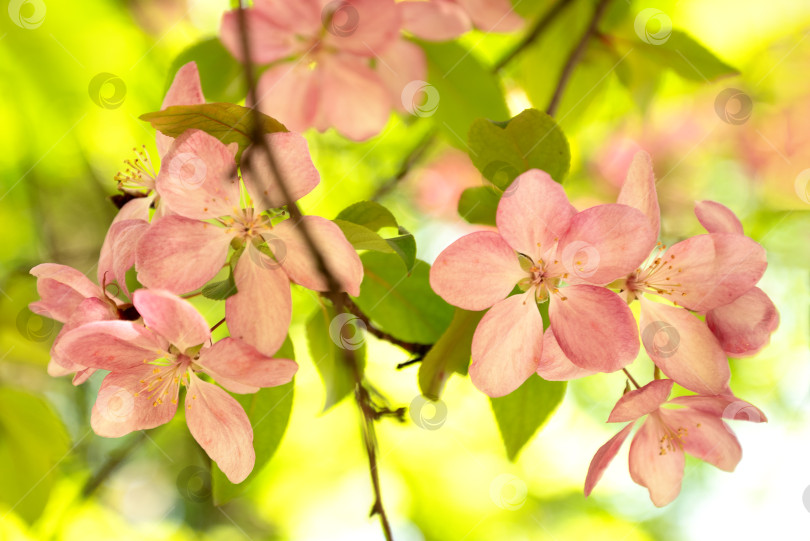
667, 434
184, 251
148, 364
552, 253
439, 20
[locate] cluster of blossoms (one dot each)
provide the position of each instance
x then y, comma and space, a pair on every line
699, 304
321, 53
152, 341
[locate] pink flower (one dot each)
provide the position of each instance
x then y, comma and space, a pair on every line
149, 364
667, 434
440, 20
701, 273
182, 252
541, 244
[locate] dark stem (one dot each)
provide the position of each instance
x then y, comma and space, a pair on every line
538, 28
411, 347
632, 379
409, 362
575, 57
217, 324
114, 461
413, 157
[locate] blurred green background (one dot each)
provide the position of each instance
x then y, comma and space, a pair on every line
62, 144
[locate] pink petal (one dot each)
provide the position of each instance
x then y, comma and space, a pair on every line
221, 427
197, 177
554, 365
242, 369
660, 473
476, 271
291, 249
118, 253
726, 406
603, 457
111, 345
61, 289
89, 310
745, 325
173, 318
261, 310
122, 405
291, 92
507, 345
638, 190
181, 255
604, 243
292, 160
492, 15
357, 115
594, 328
185, 90
706, 437
361, 27
684, 348
535, 214
717, 218
438, 20
640, 402
271, 27
398, 65
136, 209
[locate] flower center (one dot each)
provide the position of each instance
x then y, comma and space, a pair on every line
139, 173
659, 275
540, 278
165, 379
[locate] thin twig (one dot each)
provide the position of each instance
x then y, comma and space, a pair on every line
538, 28
411, 347
632, 379
575, 57
413, 157
115, 460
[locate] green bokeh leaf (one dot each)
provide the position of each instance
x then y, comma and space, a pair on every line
221, 76
479, 204
451, 353
687, 57
269, 413
369, 214
520, 414
399, 303
360, 223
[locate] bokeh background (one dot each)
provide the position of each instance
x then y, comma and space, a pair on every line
67, 126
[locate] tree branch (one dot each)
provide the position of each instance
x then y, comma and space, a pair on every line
114, 462
411, 347
538, 28
413, 157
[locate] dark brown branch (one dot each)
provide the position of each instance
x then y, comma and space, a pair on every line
116, 459
632, 379
413, 157
411, 347
538, 28
575, 57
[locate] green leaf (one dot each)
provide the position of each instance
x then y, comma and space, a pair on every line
33, 441
531, 140
687, 57
228, 122
451, 353
324, 331
269, 413
221, 76
369, 214
466, 89
405, 247
360, 223
521, 413
399, 303
219, 291
479, 204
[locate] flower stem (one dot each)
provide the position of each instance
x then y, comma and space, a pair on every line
538, 28
632, 379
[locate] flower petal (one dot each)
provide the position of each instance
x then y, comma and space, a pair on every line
197, 178
476, 271
640, 402
638, 190
290, 248
507, 345
594, 327
291, 157
261, 311
180, 255
61, 289
118, 253
492, 15
272, 27
655, 466
706, 437
240, 368
185, 90
400, 64
603, 457
111, 345
745, 325
717, 218
554, 365
89, 310
291, 93
535, 214
221, 427
361, 27
438, 20
684, 348
726, 406
173, 318
604, 243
